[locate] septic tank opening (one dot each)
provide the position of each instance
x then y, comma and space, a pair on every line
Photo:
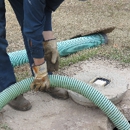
101, 81
117, 129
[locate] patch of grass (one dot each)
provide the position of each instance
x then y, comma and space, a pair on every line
5, 127
22, 72
79, 56
108, 52
22, 75
104, 51
120, 55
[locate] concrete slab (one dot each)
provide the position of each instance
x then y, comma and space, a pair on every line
89, 72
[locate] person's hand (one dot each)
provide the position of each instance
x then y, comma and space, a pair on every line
41, 81
51, 55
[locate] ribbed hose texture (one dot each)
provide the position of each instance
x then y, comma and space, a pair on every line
64, 48
77, 86
77, 44
93, 95
18, 58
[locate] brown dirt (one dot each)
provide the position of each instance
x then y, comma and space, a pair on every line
76, 17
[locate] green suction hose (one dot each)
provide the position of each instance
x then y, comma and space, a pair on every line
20, 57
77, 44
75, 85
64, 48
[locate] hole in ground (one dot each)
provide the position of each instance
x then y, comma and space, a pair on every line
117, 129
106, 81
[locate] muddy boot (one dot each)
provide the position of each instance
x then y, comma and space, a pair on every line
20, 103
58, 93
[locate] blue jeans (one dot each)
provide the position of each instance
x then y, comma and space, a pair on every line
7, 76
36, 20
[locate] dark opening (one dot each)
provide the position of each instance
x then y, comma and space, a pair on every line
103, 79
117, 129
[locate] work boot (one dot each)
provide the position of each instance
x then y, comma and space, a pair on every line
58, 93
20, 103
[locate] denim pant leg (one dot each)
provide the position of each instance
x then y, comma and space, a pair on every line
48, 20
7, 76
53, 4
17, 6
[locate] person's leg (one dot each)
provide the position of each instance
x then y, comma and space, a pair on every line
20, 103
17, 6
7, 76
59, 93
53, 4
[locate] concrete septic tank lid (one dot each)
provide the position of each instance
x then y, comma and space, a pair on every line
110, 84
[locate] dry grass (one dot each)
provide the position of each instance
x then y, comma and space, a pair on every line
74, 17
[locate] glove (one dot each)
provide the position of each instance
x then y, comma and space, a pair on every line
41, 81
51, 55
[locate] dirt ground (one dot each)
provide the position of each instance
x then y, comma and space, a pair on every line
72, 18
75, 17
48, 113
